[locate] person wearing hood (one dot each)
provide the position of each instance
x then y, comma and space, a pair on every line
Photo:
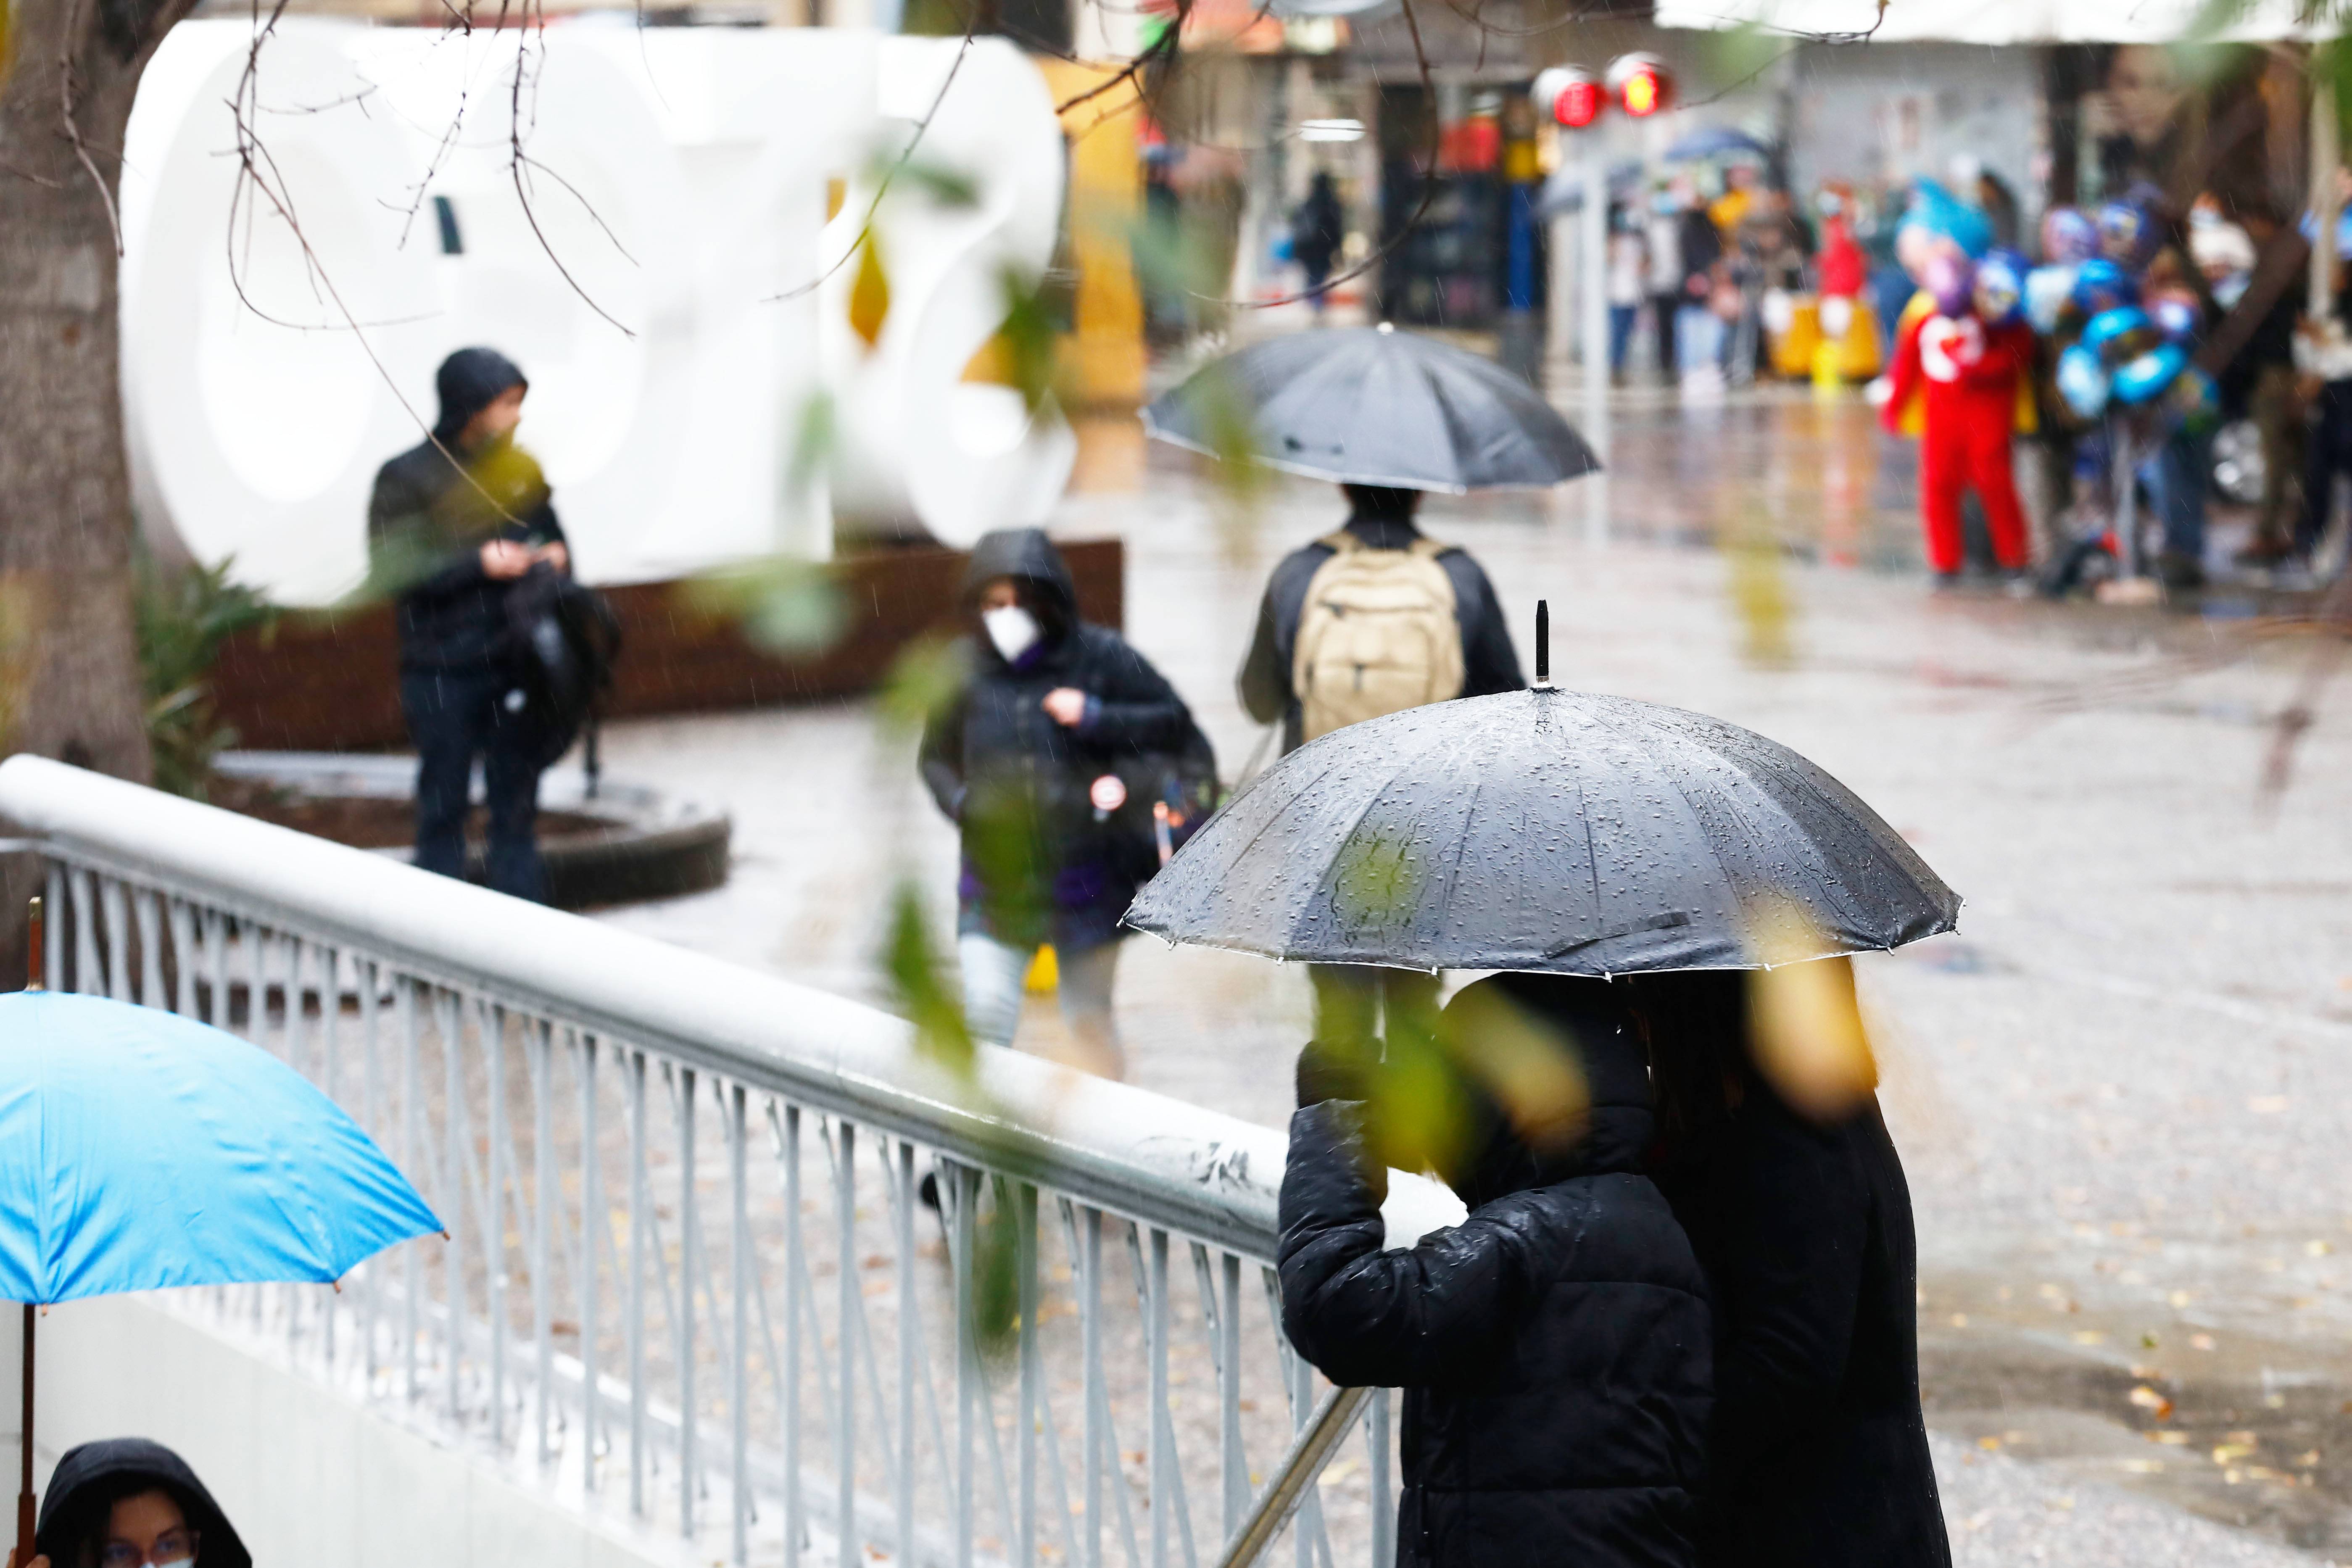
1818, 1455
125, 1502
1023, 759
454, 524
1554, 1347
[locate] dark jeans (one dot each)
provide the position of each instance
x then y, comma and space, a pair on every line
2331, 454
455, 716
1621, 332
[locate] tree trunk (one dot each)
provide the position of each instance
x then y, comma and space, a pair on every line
69, 684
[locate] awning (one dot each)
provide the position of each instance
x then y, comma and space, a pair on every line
1992, 21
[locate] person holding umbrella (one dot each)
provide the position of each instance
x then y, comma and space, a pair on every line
127, 1502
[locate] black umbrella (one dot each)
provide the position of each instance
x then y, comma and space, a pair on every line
1371, 406
1545, 830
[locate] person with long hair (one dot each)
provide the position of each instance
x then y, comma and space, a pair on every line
1818, 1454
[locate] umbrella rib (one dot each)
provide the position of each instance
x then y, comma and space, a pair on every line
1370, 799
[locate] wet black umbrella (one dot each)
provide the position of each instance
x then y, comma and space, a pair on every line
1370, 407
1545, 830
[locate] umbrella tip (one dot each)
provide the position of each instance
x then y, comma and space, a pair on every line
1543, 644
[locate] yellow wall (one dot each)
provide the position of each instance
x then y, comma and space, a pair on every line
1102, 359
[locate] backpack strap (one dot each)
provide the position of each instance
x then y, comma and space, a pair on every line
1342, 542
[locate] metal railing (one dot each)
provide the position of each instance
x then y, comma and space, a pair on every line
716, 1244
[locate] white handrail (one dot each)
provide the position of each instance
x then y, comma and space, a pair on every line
1144, 1154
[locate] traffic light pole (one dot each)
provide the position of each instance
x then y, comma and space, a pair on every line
1592, 282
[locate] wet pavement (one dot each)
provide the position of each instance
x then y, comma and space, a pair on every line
2119, 1087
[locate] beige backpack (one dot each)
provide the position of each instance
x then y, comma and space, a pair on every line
1377, 634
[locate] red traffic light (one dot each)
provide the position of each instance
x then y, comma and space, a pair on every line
1570, 96
1642, 84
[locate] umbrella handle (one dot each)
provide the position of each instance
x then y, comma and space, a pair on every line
25, 1514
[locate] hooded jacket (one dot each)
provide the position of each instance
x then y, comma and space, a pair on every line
94, 1476
1489, 662
1553, 1347
428, 520
1040, 863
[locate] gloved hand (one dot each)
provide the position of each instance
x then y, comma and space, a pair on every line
1336, 1070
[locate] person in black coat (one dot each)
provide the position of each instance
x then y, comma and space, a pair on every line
455, 524
1553, 1347
1024, 760
136, 1494
1819, 1454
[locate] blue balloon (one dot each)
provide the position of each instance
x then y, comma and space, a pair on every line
2101, 285
2068, 238
2142, 379
2047, 289
1938, 211
142, 1151
2194, 400
2000, 287
2083, 382
2127, 234
2114, 335
2176, 318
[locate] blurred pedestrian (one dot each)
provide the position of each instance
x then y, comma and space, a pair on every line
1819, 1454
1554, 1347
1665, 234
1698, 327
127, 1502
2259, 382
455, 525
1317, 233
1025, 760
1628, 280
1372, 619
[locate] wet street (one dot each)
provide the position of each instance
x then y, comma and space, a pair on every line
2118, 1089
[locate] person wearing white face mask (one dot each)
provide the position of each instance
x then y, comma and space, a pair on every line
1029, 759
127, 1502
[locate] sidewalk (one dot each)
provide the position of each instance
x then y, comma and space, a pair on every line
2118, 1089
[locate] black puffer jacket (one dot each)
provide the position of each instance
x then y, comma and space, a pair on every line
427, 521
1553, 1347
1039, 864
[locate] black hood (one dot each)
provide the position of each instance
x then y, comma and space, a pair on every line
468, 381
1027, 556
1593, 1019
94, 1476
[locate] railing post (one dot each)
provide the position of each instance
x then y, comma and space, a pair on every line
967, 1341
538, 1040
910, 1336
845, 1425
689, 1269
796, 1262
740, 1265
1032, 1372
640, 1210
592, 1236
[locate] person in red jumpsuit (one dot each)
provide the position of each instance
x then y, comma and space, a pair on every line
1965, 373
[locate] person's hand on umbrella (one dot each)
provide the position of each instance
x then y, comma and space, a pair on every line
1066, 706
1333, 1069
37, 1563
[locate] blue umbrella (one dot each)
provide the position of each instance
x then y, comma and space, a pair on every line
1716, 141
141, 1150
